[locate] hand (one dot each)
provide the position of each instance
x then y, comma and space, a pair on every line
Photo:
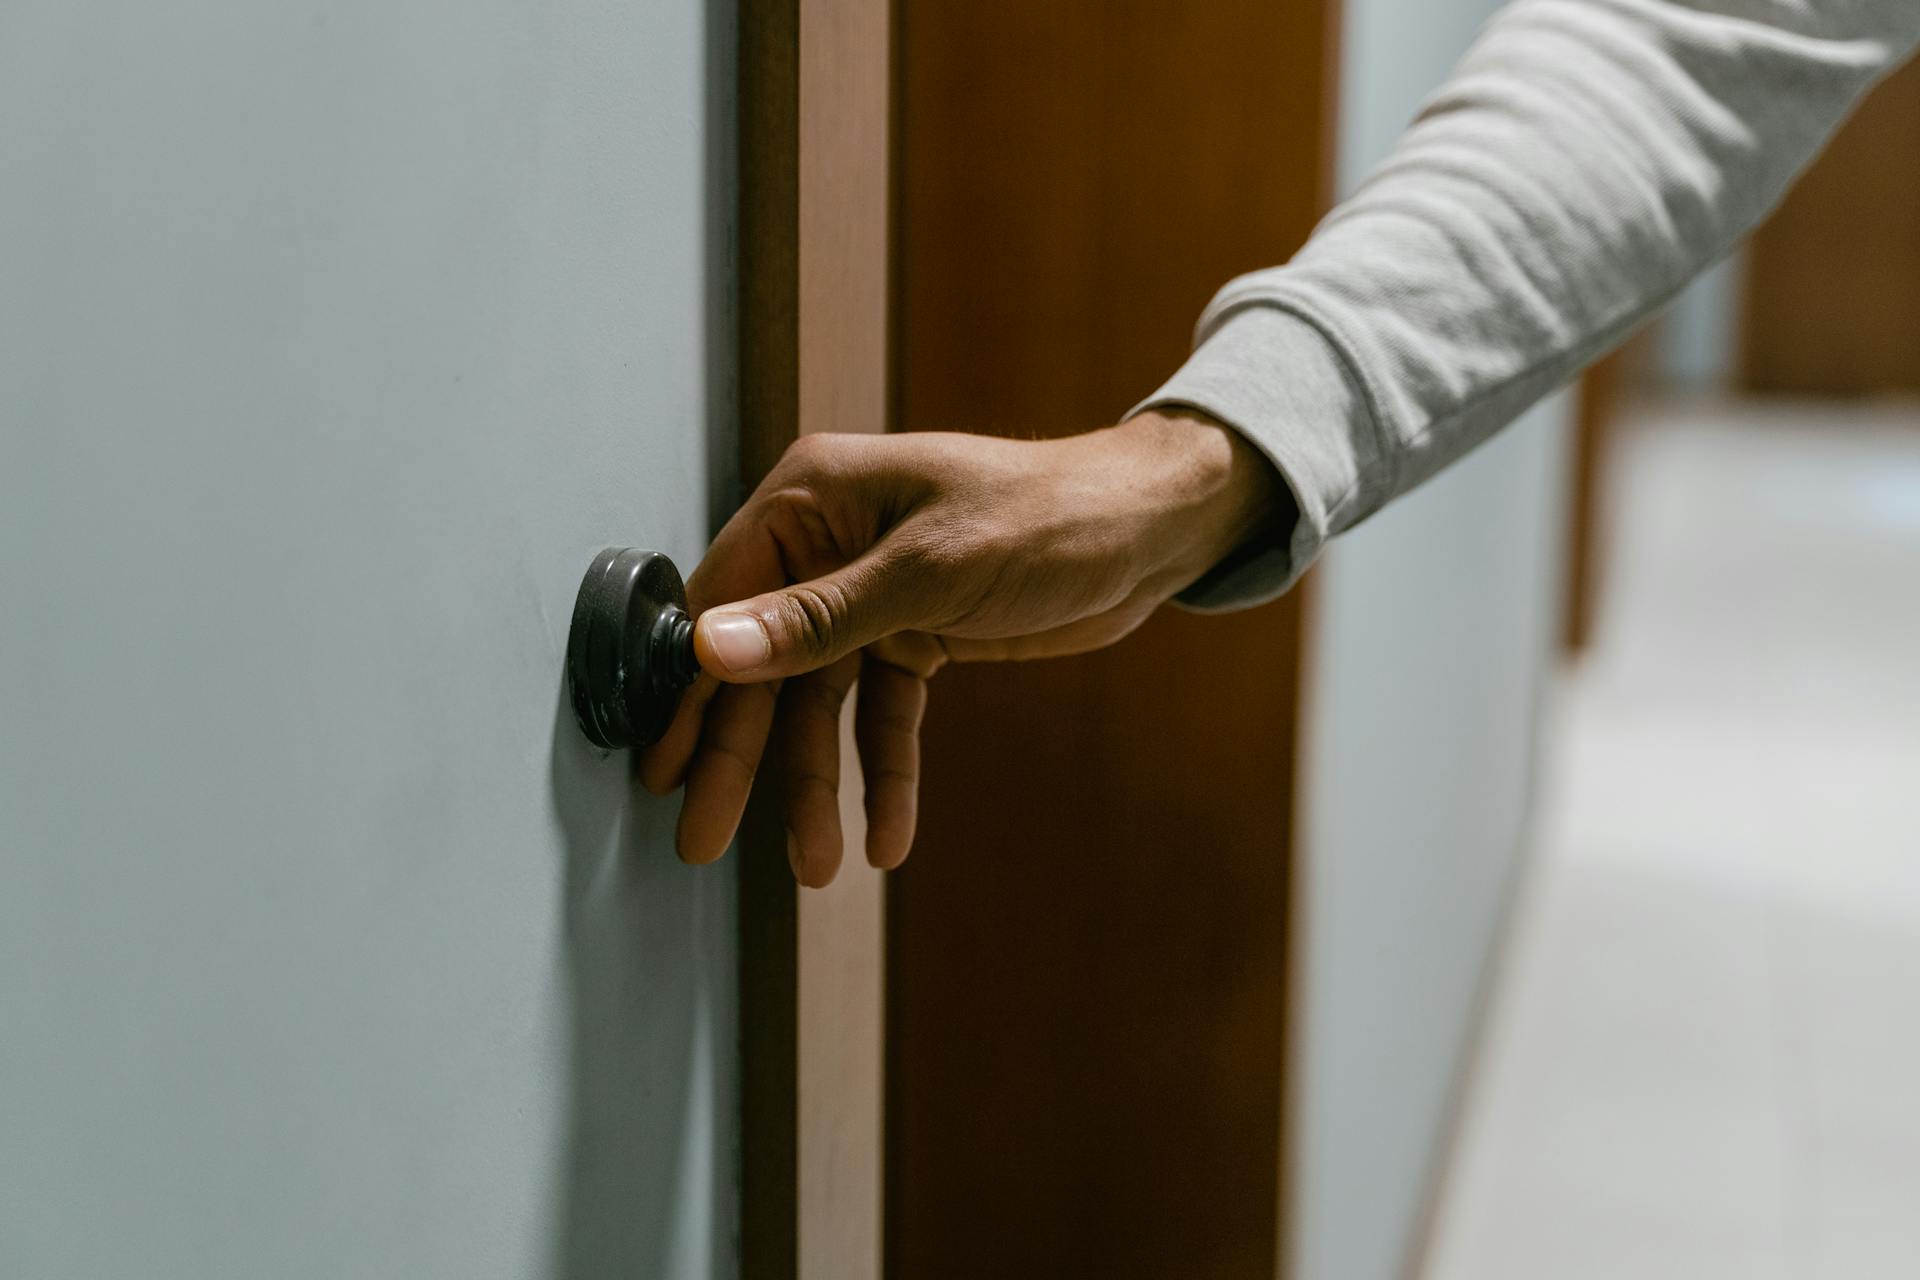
878, 558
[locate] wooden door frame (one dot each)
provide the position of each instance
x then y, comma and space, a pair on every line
812, 266
1596, 407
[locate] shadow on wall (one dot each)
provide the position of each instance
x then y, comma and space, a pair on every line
644, 1183
646, 1180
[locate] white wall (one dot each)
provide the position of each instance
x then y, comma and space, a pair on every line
1433, 634
336, 337
1696, 343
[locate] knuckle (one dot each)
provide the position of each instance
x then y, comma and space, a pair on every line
814, 453
900, 724
805, 782
802, 450
819, 696
811, 617
795, 517
737, 765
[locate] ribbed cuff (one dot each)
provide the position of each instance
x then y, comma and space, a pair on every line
1280, 383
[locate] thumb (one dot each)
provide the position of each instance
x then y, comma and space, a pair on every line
808, 625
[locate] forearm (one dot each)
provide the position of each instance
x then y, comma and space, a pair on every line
1587, 159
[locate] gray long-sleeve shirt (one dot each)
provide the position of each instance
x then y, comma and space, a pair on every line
1586, 160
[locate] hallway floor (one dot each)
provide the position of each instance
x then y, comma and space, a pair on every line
1703, 1058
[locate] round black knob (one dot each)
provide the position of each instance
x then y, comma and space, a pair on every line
630, 650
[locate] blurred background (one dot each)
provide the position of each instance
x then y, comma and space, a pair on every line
1700, 1051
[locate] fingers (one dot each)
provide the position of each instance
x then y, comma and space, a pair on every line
663, 766
808, 734
719, 732
810, 624
1079, 636
720, 775
887, 730
782, 534
745, 558
754, 631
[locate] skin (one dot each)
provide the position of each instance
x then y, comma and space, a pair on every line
877, 559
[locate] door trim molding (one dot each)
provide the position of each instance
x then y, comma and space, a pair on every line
813, 209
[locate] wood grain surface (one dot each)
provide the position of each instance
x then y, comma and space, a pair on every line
1086, 981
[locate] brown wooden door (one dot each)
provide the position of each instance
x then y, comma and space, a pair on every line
1086, 972
1833, 279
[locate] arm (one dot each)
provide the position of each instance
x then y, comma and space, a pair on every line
1587, 159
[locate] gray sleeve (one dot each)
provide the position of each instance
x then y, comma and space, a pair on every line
1586, 160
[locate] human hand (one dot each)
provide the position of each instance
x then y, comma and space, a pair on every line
878, 558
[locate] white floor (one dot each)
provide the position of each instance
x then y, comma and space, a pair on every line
1704, 1056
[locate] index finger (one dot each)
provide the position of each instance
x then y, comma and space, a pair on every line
742, 561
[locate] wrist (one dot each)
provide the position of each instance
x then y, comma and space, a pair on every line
1214, 493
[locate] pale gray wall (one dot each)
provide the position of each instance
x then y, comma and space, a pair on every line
1696, 343
334, 339
1432, 635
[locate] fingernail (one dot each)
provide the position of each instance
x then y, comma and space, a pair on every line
737, 640
794, 859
